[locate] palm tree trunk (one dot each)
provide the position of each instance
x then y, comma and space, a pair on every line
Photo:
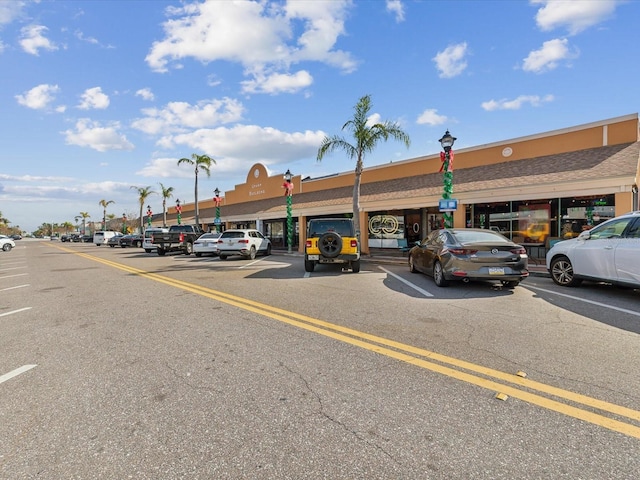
196, 197
356, 204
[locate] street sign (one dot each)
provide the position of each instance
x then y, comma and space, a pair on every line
449, 205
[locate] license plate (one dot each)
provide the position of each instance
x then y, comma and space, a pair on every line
313, 257
496, 271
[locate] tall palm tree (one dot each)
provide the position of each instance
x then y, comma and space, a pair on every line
104, 203
366, 137
201, 162
67, 226
143, 193
166, 193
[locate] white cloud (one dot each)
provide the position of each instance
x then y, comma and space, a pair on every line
517, 103
575, 15
396, 7
451, 61
10, 10
33, 39
278, 82
431, 117
258, 35
93, 98
146, 94
548, 57
176, 116
93, 135
39, 97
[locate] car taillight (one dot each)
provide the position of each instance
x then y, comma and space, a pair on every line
151, 238
182, 237
309, 244
519, 250
460, 251
244, 240
354, 243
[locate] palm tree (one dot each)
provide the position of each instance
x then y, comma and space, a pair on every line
84, 216
104, 203
366, 137
67, 226
201, 162
166, 194
143, 193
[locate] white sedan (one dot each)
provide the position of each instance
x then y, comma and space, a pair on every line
245, 242
609, 252
6, 243
206, 244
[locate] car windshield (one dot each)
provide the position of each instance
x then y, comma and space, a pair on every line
472, 236
208, 235
232, 235
342, 228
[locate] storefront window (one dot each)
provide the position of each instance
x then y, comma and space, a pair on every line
385, 229
582, 213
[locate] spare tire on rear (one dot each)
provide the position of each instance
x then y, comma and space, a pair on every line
330, 244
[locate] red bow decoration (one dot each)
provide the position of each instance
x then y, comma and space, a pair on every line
217, 200
288, 188
443, 158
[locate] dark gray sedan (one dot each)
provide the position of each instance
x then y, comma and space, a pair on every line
464, 254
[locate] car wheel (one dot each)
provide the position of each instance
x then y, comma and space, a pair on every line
189, 249
223, 257
355, 266
198, 254
438, 275
330, 244
252, 253
123, 246
510, 283
161, 252
7, 247
138, 244
562, 272
412, 265
148, 250
112, 246
309, 265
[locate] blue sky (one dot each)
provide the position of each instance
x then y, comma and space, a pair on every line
99, 96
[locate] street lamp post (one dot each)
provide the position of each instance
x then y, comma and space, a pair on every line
179, 211
149, 213
124, 223
217, 200
288, 191
447, 167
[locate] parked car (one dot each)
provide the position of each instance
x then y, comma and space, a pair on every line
245, 242
147, 240
131, 240
103, 236
466, 254
115, 240
332, 240
86, 238
206, 244
609, 252
6, 243
16, 236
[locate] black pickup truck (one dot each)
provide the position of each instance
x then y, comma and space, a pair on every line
178, 238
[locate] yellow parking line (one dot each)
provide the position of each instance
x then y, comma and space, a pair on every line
411, 355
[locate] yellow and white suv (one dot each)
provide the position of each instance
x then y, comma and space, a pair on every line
332, 240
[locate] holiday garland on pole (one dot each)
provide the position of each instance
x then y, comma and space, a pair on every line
447, 168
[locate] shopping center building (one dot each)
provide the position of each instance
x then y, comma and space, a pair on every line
534, 189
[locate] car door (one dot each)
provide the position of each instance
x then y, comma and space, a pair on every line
595, 256
431, 249
627, 254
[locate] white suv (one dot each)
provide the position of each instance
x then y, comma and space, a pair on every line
245, 242
609, 252
6, 243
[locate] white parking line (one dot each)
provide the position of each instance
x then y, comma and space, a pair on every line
12, 268
599, 304
17, 286
11, 276
16, 372
406, 282
14, 311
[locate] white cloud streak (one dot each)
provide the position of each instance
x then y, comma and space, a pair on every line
451, 61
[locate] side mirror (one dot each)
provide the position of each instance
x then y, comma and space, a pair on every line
586, 235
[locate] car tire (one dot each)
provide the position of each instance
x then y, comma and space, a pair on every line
6, 247
189, 249
309, 265
138, 244
198, 254
438, 275
161, 252
412, 265
112, 246
561, 271
252, 253
148, 250
510, 283
123, 246
355, 266
223, 257
330, 244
